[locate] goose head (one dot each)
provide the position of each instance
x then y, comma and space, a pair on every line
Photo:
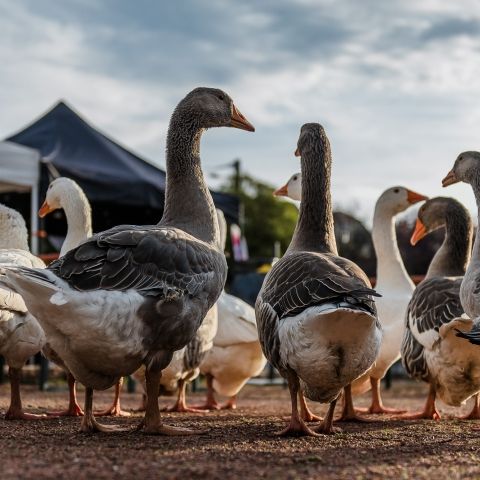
13, 230
465, 169
292, 189
397, 199
212, 107
431, 216
62, 192
310, 139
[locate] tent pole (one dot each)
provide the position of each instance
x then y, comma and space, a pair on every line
34, 220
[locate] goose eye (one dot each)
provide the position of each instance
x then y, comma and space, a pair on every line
221, 97
396, 190
295, 177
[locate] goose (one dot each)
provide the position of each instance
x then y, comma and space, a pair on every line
236, 354
64, 193
316, 317
430, 350
21, 336
393, 283
133, 295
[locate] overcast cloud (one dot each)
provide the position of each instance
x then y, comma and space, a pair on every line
396, 84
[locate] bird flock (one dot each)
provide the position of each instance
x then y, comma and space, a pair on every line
149, 301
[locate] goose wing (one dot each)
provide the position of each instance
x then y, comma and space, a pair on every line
303, 280
155, 261
436, 301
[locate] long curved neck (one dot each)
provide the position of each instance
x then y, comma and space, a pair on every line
79, 221
476, 245
390, 267
188, 203
452, 257
314, 230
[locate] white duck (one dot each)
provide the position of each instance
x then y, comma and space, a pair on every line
134, 295
236, 355
64, 193
315, 313
21, 336
393, 283
431, 351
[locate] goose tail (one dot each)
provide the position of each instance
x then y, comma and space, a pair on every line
473, 336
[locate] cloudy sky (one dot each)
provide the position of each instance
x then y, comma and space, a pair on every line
396, 84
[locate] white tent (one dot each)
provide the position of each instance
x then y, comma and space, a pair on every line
20, 172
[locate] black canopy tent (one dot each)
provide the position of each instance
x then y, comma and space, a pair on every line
121, 186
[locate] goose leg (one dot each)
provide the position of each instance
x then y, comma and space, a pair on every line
348, 413
15, 411
181, 403
115, 410
211, 403
296, 426
152, 422
429, 412
74, 409
327, 425
475, 412
377, 407
89, 424
305, 412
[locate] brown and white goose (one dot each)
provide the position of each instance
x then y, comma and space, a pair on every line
315, 313
64, 193
133, 295
21, 336
431, 351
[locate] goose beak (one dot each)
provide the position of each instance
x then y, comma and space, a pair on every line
281, 192
45, 209
414, 197
450, 179
419, 232
297, 153
239, 121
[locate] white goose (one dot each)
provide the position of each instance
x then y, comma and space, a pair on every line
431, 351
134, 295
236, 355
21, 336
315, 313
64, 193
393, 283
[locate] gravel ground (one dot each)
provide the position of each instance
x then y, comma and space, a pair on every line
240, 443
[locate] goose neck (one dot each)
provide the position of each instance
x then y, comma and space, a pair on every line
314, 230
390, 266
79, 222
188, 202
452, 257
476, 245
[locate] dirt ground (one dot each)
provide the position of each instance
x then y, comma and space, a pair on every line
240, 443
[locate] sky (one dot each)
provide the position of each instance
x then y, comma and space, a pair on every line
395, 84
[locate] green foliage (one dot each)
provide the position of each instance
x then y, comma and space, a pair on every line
266, 218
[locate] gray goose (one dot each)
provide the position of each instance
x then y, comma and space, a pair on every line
133, 295
316, 317
430, 351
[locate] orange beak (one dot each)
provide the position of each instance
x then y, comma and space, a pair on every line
297, 153
414, 197
45, 209
419, 232
282, 191
239, 121
450, 179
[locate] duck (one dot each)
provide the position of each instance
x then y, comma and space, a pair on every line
236, 354
316, 314
430, 349
393, 283
133, 295
64, 193
21, 335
